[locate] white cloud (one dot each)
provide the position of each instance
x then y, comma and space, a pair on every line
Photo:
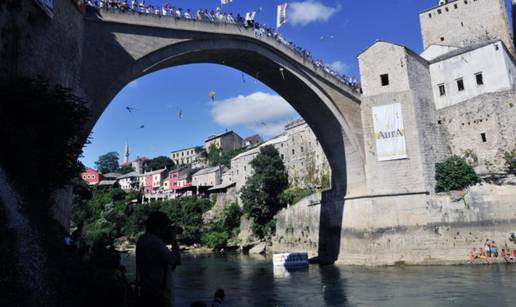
133, 84
305, 12
260, 112
340, 67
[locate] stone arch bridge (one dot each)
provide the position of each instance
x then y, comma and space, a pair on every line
120, 47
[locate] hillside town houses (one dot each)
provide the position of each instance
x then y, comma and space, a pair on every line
298, 147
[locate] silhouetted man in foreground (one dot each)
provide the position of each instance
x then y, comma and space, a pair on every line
155, 262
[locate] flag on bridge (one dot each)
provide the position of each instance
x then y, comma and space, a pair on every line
225, 1
282, 15
249, 16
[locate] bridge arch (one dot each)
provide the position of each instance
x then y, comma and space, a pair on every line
120, 48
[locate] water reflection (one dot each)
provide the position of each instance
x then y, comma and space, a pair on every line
333, 286
253, 281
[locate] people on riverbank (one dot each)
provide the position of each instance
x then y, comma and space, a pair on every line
219, 16
155, 262
489, 253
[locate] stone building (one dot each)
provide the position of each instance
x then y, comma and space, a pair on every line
396, 84
208, 177
194, 156
457, 97
138, 164
252, 140
300, 151
226, 141
464, 23
130, 182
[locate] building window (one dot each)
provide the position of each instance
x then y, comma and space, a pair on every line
465, 1
446, 8
282, 157
496, 47
302, 149
439, 11
462, 24
442, 38
483, 136
293, 151
480, 78
385, 79
460, 85
455, 6
442, 90
430, 15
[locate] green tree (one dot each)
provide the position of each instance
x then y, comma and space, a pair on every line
214, 154
294, 194
107, 163
125, 169
41, 128
231, 218
454, 174
218, 157
260, 195
160, 162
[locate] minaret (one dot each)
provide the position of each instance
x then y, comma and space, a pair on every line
126, 154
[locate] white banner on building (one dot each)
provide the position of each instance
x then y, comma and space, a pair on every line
225, 1
47, 6
282, 15
389, 132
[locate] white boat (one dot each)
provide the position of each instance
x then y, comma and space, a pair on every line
290, 260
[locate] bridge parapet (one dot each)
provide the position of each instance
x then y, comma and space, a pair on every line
226, 29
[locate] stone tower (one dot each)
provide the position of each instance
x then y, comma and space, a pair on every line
126, 154
463, 23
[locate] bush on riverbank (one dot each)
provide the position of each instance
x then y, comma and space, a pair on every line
510, 161
112, 212
217, 234
454, 174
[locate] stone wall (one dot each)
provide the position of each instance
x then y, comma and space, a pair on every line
222, 201
298, 227
414, 229
491, 114
33, 44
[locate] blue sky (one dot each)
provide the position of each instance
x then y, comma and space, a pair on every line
333, 30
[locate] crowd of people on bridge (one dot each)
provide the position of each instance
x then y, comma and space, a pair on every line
489, 253
219, 16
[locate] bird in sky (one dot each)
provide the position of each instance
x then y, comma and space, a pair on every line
130, 109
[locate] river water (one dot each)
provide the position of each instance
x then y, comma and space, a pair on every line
252, 281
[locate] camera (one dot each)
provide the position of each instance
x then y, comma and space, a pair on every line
179, 230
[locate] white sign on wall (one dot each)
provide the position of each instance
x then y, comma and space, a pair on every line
47, 6
389, 132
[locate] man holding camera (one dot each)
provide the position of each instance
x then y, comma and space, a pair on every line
155, 262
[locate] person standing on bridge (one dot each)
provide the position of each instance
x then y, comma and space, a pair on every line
155, 262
